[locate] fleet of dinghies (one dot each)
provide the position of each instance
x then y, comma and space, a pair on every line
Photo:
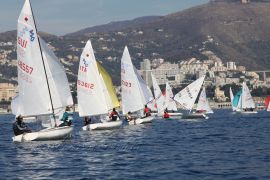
44, 91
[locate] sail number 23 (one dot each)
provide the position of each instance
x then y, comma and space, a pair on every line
125, 83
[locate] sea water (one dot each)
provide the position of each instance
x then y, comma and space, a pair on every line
226, 146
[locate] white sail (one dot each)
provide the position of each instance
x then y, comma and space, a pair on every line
132, 97
58, 82
33, 88
91, 100
158, 95
268, 109
231, 97
203, 104
145, 90
189, 94
16, 106
247, 101
169, 102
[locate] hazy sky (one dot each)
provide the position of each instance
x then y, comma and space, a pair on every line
64, 16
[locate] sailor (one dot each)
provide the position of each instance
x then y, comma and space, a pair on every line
166, 114
146, 111
87, 120
114, 114
66, 121
19, 127
129, 117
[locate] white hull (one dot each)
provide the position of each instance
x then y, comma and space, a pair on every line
175, 114
48, 134
195, 116
249, 112
103, 126
141, 120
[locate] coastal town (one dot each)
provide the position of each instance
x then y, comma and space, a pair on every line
220, 75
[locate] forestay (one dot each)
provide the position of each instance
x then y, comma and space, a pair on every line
189, 94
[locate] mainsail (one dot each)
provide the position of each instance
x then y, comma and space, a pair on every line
267, 103
247, 101
203, 104
34, 57
169, 102
158, 95
132, 96
91, 100
187, 97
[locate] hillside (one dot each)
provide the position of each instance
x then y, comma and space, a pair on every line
233, 31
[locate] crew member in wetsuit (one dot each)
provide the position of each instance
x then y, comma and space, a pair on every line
146, 111
87, 121
19, 127
166, 114
66, 121
114, 114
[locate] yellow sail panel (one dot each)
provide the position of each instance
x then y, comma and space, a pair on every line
108, 82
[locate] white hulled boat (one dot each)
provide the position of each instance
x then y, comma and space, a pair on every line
134, 90
246, 104
96, 95
170, 104
187, 97
43, 85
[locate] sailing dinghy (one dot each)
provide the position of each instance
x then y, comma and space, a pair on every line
187, 97
246, 104
134, 90
96, 94
43, 85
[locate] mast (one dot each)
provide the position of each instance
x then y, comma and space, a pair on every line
47, 81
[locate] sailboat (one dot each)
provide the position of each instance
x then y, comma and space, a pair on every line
43, 85
246, 104
203, 104
134, 90
267, 103
96, 95
187, 97
170, 104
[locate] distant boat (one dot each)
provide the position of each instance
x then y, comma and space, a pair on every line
134, 91
187, 97
96, 95
267, 103
43, 85
203, 104
243, 101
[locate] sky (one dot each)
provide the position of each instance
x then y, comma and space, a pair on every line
60, 17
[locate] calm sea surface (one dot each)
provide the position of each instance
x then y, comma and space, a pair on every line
226, 146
